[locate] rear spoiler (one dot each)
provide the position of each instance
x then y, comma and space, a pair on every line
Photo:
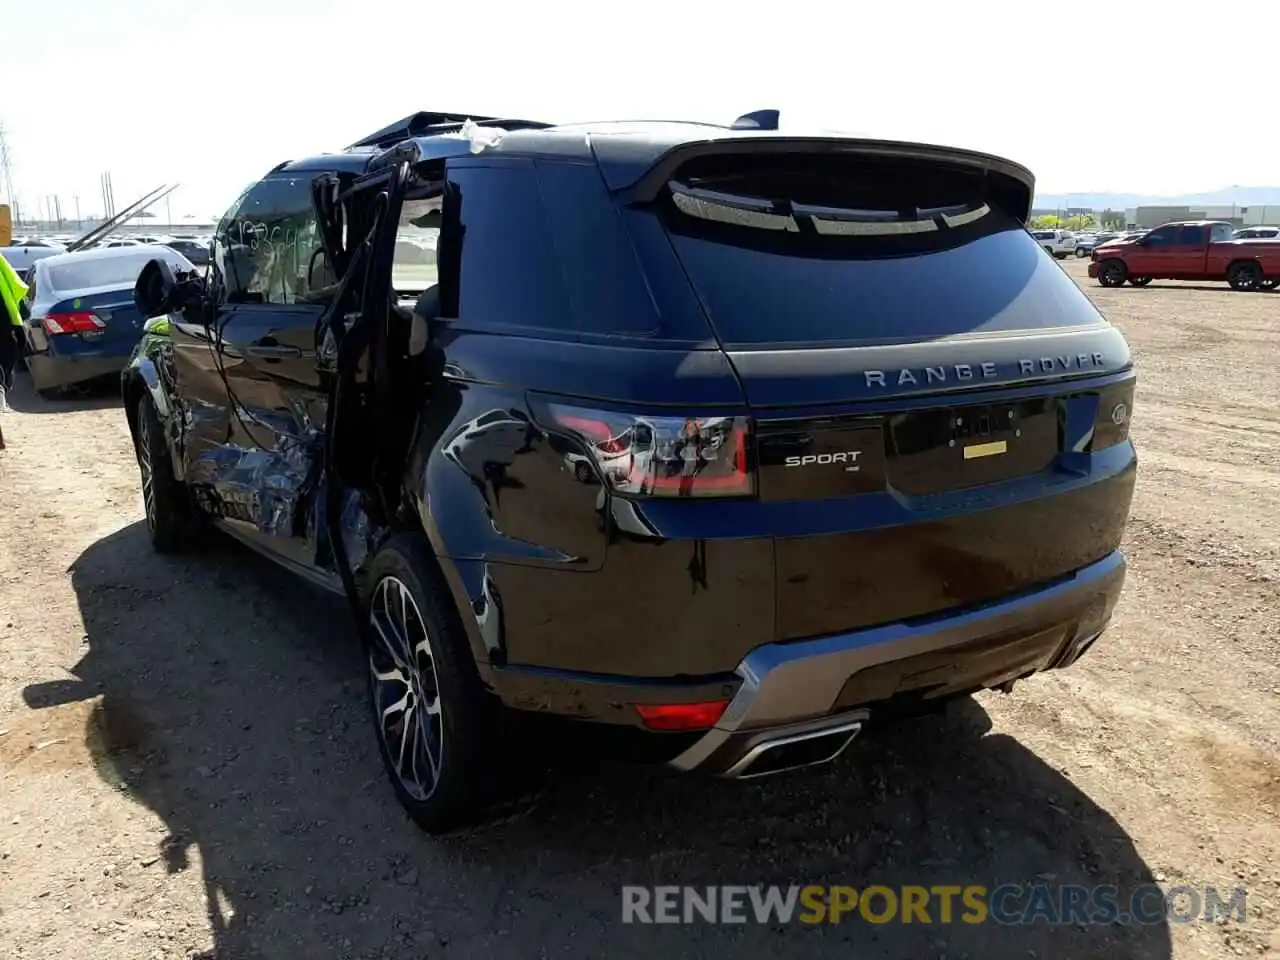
1012, 184
423, 123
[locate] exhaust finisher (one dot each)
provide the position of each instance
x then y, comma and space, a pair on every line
808, 749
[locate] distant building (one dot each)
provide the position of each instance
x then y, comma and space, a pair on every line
1062, 211
1239, 215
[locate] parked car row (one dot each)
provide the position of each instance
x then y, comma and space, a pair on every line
79, 320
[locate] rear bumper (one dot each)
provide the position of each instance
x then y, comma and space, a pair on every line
807, 688
1093, 270
799, 702
48, 372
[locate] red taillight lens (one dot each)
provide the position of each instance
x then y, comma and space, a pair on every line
681, 716
664, 456
80, 321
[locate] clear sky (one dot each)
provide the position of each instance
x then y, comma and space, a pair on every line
1127, 95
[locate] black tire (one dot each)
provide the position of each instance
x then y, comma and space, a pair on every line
1049, 251
1244, 275
171, 516
1059, 256
1269, 283
434, 667
1113, 273
1139, 281
1081, 253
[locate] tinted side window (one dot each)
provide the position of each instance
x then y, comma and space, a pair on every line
506, 267
264, 245
1162, 237
1193, 237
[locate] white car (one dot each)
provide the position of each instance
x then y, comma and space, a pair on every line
22, 255
1059, 243
1257, 233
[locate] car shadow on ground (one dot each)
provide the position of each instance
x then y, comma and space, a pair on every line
100, 394
1183, 285
228, 699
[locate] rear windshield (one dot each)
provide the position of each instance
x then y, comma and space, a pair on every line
120, 271
814, 249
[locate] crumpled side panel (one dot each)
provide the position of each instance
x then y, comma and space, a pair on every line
262, 487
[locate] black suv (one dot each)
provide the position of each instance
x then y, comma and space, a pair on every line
725, 441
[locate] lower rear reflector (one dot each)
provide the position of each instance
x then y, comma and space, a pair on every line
681, 716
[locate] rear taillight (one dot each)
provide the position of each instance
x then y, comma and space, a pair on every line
79, 321
663, 456
681, 716
1115, 408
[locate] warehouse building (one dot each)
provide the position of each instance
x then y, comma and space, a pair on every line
1239, 215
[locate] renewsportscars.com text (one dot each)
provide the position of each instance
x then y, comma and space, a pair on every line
1008, 904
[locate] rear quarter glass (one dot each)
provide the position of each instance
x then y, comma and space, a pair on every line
869, 254
553, 235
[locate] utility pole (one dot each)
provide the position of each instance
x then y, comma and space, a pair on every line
76, 198
6, 175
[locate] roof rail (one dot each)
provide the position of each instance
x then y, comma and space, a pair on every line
423, 123
757, 120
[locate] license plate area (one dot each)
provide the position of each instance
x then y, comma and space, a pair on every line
952, 448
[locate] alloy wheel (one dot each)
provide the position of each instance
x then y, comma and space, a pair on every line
406, 692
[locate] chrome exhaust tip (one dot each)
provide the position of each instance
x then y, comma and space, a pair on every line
795, 751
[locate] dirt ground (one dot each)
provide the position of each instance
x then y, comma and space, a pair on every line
186, 769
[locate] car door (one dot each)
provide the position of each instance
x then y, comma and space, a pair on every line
1188, 256
256, 406
1155, 255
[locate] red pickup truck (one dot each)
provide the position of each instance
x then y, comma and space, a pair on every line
1188, 250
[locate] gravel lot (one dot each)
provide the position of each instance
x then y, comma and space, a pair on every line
186, 769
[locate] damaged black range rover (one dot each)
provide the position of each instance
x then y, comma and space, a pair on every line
726, 441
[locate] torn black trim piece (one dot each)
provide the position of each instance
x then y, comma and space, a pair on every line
424, 122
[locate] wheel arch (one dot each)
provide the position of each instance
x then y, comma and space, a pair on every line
141, 378
1241, 261
471, 589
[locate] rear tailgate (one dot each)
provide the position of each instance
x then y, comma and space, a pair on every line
941, 413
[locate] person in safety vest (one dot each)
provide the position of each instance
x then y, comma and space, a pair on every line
12, 290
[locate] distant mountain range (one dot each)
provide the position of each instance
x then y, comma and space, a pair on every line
1241, 196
